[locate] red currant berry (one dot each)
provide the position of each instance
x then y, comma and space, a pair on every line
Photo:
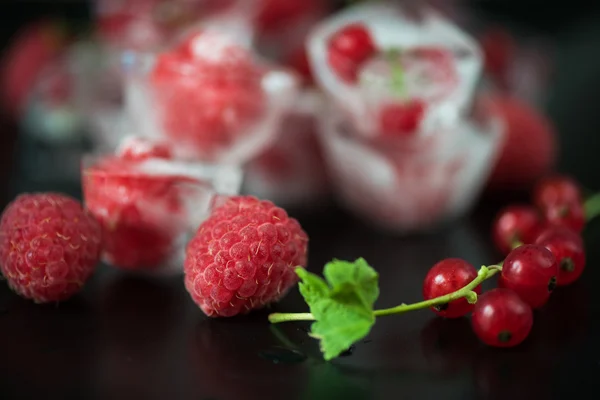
556, 191
570, 215
501, 318
401, 119
567, 247
348, 49
518, 223
531, 271
448, 276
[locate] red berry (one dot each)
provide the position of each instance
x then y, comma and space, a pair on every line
139, 148
32, 49
348, 49
142, 213
531, 271
501, 318
517, 223
556, 191
243, 257
209, 93
401, 119
529, 150
560, 199
448, 276
567, 247
49, 246
571, 216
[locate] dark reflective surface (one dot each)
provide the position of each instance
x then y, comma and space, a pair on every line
133, 337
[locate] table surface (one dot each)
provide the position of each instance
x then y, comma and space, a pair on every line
135, 337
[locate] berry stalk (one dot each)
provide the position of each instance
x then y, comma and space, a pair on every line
467, 292
592, 207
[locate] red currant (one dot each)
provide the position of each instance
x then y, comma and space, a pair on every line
571, 216
531, 271
448, 276
518, 223
401, 119
567, 247
556, 191
560, 200
348, 49
501, 318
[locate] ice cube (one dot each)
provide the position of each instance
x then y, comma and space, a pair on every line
392, 30
410, 188
224, 108
290, 172
148, 207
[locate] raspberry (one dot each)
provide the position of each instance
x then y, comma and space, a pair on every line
402, 120
209, 92
142, 211
348, 49
49, 246
243, 257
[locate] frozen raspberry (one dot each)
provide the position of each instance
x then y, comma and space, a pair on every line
31, 51
349, 49
208, 91
401, 120
49, 246
243, 257
140, 208
138, 148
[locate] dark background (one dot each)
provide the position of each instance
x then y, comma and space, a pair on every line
136, 338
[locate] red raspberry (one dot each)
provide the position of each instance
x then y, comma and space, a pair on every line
243, 257
208, 91
402, 119
49, 246
348, 49
142, 213
138, 148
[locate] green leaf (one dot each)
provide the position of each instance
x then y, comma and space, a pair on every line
358, 276
342, 305
398, 84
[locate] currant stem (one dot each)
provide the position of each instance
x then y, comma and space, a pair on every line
467, 292
592, 207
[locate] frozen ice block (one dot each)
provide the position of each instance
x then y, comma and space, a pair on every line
431, 61
145, 25
211, 96
411, 187
149, 203
292, 171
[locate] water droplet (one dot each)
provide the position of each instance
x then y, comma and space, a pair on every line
282, 355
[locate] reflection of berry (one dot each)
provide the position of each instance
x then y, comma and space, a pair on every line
518, 223
567, 247
529, 149
276, 15
531, 271
499, 53
49, 246
446, 277
348, 49
243, 257
500, 318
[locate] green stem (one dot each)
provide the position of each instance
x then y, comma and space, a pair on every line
467, 292
592, 207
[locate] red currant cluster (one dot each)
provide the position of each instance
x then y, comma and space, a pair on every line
544, 249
